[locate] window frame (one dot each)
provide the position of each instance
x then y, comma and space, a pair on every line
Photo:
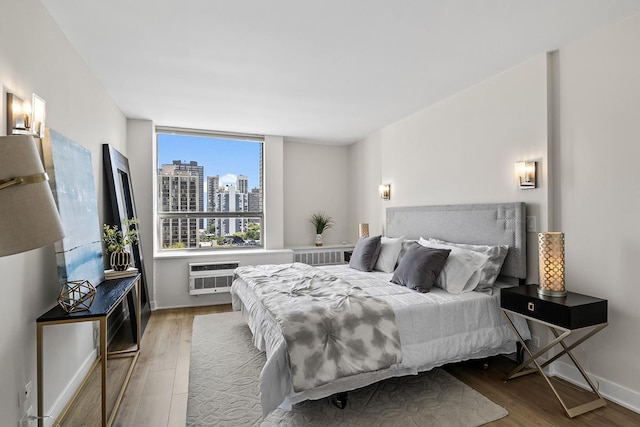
249, 215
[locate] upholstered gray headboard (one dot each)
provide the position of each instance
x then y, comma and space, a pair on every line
488, 224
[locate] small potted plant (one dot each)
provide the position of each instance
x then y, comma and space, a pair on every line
116, 242
321, 222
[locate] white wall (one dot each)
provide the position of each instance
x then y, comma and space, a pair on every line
142, 161
574, 111
36, 57
365, 205
597, 135
316, 178
461, 150
273, 152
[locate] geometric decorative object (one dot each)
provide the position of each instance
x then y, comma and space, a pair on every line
526, 175
551, 264
29, 218
363, 229
385, 191
79, 254
76, 295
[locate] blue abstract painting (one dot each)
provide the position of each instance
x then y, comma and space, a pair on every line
79, 254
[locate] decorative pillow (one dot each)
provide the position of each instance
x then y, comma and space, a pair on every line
389, 251
461, 273
491, 269
365, 253
406, 244
419, 267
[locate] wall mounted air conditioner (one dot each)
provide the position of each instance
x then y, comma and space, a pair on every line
211, 277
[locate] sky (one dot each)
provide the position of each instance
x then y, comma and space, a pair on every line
223, 157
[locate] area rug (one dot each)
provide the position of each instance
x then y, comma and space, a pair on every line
225, 371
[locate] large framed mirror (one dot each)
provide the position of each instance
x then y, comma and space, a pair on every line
123, 206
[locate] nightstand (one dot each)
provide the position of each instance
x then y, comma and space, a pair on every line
565, 316
347, 256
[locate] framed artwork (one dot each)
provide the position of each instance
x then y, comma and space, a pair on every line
123, 207
79, 253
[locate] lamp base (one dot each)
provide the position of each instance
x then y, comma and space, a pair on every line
550, 293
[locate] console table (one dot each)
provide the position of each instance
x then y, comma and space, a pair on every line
109, 294
564, 316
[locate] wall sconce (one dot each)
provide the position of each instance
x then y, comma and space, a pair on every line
24, 117
551, 264
363, 229
385, 191
29, 218
526, 175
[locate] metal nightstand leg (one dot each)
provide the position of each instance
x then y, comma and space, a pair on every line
566, 349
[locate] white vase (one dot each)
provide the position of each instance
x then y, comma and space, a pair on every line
318, 239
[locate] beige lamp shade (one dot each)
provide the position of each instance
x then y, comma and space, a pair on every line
551, 264
363, 229
29, 218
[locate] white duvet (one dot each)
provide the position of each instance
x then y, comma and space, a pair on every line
435, 328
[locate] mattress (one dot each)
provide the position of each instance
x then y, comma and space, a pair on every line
435, 328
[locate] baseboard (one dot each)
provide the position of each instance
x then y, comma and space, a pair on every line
68, 392
205, 304
623, 396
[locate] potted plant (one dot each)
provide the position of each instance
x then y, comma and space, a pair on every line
116, 242
321, 222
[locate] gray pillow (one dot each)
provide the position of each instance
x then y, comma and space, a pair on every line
419, 267
406, 244
365, 253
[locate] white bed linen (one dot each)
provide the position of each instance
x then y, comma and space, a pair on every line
435, 328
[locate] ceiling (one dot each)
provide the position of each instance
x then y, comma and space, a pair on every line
324, 71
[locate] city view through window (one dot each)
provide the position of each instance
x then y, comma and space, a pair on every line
209, 191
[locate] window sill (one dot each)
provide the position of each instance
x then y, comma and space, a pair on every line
218, 253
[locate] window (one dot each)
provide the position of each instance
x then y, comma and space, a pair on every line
209, 190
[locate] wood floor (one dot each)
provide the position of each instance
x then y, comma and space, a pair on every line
157, 392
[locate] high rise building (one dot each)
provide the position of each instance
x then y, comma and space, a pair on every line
198, 171
254, 200
178, 191
230, 200
213, 187
242, 184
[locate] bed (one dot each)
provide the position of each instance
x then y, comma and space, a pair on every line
435, 327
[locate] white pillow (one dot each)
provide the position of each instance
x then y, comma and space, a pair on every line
491, 269
461, 273
389, 254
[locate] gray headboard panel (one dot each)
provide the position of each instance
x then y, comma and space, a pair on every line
488, 224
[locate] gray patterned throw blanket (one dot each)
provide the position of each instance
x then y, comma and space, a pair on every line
332, 329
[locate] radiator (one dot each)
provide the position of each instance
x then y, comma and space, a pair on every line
211, 277
319, 257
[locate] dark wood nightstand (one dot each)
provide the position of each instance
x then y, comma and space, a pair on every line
565, 316
347, 256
